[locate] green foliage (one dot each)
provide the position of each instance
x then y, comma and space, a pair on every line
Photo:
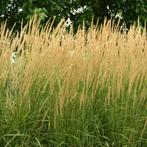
130, 10
40, 12
62, 8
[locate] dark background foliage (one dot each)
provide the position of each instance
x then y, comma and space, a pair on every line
14, 11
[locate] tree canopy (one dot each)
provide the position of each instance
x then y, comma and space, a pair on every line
128, 11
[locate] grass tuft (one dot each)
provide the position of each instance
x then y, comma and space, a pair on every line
87, 89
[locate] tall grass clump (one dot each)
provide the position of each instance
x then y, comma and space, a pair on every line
87, 89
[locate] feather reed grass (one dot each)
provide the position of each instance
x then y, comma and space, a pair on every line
65, 89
